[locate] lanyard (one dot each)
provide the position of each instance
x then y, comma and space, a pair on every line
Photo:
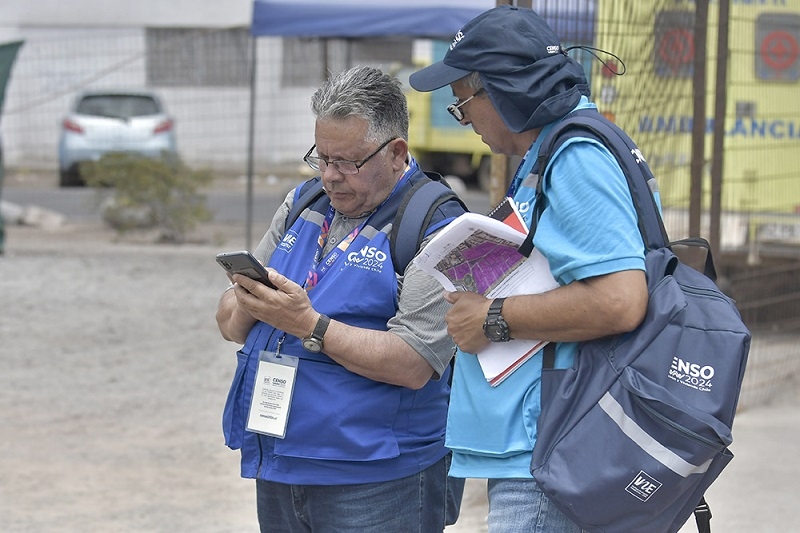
523, 189
320, 268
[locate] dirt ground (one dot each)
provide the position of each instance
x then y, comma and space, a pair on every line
112, 381
113, 377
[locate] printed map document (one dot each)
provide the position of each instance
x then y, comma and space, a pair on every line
479, 253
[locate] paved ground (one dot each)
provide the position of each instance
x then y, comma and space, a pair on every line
113, 376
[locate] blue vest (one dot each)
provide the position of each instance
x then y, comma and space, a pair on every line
343, 428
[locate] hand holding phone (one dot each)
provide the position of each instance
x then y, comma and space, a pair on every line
244, 263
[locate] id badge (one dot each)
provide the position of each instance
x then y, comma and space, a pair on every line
272, 394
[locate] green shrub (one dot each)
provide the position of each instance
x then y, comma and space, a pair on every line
160, 193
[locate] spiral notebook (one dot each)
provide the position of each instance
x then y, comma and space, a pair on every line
506, 211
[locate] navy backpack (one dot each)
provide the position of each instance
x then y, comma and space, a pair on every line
632, 435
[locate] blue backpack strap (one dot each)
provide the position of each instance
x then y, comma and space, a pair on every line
588, 123
429, 204
305, 195
427, 198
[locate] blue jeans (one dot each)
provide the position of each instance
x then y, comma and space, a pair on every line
518, 506
415, 504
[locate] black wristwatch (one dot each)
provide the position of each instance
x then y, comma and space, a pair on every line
313, 343
495, 327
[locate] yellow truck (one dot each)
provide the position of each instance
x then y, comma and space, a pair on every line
439, 142
653, 100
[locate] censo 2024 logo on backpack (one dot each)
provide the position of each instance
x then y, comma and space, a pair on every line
691, 374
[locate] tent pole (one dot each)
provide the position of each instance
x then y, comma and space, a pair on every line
718, 141
250, 146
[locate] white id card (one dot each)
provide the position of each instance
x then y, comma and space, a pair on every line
272, 394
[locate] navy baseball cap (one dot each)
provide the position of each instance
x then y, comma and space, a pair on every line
526, 73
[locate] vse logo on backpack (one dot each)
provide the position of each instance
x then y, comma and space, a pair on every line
633, 434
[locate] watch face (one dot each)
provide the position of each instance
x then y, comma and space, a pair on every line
492, 332
312, 345
496, 330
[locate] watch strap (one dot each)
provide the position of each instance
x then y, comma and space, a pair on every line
494, 326
321, 327
313, 343
496, 306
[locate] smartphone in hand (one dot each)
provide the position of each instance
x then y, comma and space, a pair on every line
244, 263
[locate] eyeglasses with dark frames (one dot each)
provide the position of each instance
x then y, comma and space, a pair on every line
455, 108
342, 166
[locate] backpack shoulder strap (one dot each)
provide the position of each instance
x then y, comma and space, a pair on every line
306, 194
588, 123
428, 205
429, 202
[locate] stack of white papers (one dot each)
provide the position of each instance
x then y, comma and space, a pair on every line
479, 253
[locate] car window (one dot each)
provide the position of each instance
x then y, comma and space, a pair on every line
118, 106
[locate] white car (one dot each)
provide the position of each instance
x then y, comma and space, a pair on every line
112, 121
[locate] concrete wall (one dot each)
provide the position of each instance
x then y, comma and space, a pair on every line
219, 13
80, 44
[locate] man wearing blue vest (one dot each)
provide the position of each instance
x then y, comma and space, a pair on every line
513, 81
340, 395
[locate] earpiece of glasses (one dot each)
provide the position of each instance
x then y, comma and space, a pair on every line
455, 108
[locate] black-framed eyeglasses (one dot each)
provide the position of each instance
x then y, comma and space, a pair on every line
455, 108
342, 166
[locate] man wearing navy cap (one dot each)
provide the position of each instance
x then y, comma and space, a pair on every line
513, 81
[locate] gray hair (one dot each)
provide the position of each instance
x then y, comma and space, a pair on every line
366, 93
473, 81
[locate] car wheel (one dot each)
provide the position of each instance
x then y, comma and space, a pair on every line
70, 177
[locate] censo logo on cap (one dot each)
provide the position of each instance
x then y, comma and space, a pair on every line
457, 39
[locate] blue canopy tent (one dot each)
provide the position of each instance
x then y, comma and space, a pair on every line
351, 19
364, 18
354, 19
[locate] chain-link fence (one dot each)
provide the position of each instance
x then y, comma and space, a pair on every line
211, 79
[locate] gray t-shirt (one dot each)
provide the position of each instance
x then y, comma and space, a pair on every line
420, 318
